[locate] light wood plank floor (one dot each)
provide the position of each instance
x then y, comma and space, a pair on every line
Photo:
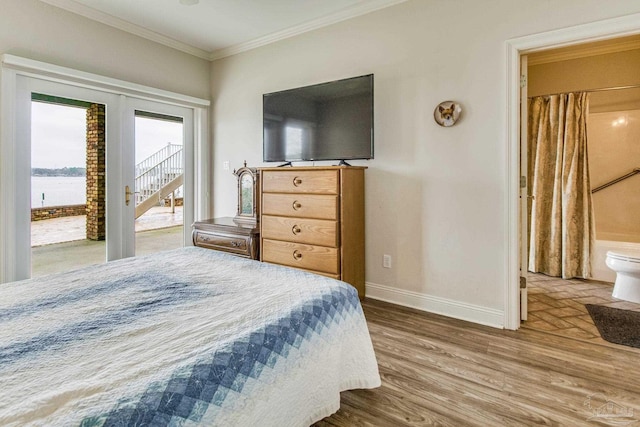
441, 371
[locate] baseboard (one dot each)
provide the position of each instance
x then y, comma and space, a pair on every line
437, 305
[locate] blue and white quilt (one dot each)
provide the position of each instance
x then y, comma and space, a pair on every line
182, 338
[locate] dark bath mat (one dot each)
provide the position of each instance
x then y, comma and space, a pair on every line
616, 325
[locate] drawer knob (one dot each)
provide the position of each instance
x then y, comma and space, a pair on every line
296, 205
296, 230
297, 255
297, 181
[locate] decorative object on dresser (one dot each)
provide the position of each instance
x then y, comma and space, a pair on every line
248, 179
225, 234
238, 235
312, 218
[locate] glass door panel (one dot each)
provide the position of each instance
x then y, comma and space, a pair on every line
157, 138
68, 183
66, 136
159, 178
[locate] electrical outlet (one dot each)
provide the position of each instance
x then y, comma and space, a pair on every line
386, 261
225, 165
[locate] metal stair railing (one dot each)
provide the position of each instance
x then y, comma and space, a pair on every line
156, 158
153, 178
159, 195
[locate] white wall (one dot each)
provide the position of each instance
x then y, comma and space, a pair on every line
435, 197
36, 30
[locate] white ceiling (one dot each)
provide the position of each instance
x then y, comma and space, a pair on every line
213, 29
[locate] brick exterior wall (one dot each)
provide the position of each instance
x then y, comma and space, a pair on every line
38, 214
96, 173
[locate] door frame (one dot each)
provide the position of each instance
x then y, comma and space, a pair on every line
600, 30
14, 228
524, 186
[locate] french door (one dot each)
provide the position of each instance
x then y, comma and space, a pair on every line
120, 112
171, 168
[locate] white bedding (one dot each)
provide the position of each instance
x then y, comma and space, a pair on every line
185, 337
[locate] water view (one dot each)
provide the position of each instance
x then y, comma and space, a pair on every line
58, 191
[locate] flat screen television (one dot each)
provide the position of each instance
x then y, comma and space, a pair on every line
327, 121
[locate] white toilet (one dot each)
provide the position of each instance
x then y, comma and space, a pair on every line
626, 264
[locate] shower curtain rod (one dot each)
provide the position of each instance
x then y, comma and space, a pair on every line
601, 89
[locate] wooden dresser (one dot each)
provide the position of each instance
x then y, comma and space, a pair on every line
312, 218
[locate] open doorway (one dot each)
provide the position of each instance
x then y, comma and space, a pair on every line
516, 194
607, 72
68, 176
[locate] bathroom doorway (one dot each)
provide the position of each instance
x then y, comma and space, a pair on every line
607, 70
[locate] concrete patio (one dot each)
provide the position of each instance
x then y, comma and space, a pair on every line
59, 244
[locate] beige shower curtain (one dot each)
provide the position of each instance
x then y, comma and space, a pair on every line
561, 223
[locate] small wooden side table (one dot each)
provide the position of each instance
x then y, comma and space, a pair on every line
224, 234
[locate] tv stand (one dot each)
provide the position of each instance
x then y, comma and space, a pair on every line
285, 165
343, 163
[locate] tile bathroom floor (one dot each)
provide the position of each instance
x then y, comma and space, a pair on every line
558, 306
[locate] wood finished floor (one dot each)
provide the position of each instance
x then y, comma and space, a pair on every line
441, 371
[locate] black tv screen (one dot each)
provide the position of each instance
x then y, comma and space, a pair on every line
328, 121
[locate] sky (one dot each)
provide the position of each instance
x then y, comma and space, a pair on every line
58, 136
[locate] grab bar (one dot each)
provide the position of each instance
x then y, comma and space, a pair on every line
617, 180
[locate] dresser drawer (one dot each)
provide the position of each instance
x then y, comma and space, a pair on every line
300, 230
320, 182
300, 205
321, 273
227, 243
309, 257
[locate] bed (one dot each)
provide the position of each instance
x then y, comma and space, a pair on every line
185, 337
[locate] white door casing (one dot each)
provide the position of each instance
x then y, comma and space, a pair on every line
524, 187
600, 30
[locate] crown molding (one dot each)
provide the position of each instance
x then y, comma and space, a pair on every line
584, 50
121, 24
126, 26
315, 24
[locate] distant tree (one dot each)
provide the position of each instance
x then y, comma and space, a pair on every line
65, 171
